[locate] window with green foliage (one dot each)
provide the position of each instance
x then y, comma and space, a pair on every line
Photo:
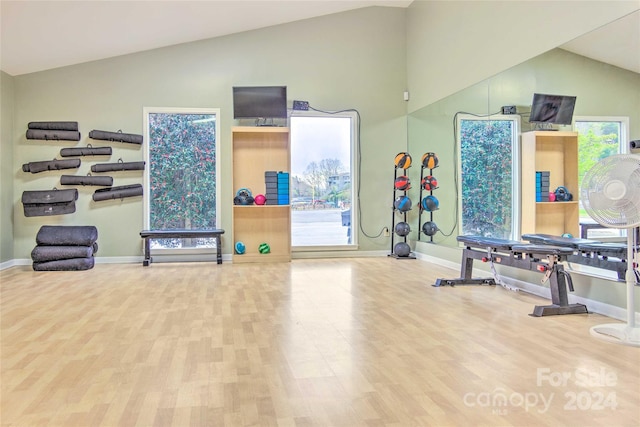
182, 173
599, 137
488, 176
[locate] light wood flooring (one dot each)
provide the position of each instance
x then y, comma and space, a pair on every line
341, 342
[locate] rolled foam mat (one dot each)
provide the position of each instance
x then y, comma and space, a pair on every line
116, 136
103, 181
54, 125
119, 166
117, 192
53, 135
67, 235
85, 151
51, 165
74, 264
52, 253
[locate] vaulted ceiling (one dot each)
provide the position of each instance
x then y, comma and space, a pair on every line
41, 35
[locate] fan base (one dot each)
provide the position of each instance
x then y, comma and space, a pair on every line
619, 333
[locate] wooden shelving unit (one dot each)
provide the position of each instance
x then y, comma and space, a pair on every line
256, 150
556, 152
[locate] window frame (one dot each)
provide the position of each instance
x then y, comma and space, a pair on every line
354, 171
146, 200
515, 161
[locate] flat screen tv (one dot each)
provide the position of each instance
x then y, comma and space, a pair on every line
553, 109
259, 102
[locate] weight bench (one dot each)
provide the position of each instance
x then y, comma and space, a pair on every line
542, 258
149, 235
590, 252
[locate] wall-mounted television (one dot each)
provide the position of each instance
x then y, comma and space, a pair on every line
553, 109
259, 102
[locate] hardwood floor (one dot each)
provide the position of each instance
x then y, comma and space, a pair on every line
342, 342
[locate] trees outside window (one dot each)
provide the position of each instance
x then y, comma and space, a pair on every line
488, 176
182, 173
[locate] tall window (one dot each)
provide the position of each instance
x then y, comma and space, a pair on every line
488, 175
182, 177
599, 137
323, 205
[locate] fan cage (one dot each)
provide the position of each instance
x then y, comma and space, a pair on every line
617, 210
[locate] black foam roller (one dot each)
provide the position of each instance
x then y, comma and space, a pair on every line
120, 192
53, 135
50, 165
116, 136
52, 253
103, 181
85, 151
119, 166
67, 235
75, 264
73, 126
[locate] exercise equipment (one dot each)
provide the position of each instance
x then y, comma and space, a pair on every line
51, 165
240, 248
429, 183
429, 160
49, 202
120, 165
402, 183
72, 126
260, 199
402, 229
403, 160
541, 258
562, 194
429, 228
118, 136
264, 248
85, 151
243, 197
102, 181
402, 203
120, 192
402, 249
65, 248
430, 203
53, 135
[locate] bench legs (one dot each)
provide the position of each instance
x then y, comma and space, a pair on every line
147, 251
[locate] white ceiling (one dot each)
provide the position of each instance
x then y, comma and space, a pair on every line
41, 35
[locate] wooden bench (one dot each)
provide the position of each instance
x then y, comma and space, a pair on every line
149, 235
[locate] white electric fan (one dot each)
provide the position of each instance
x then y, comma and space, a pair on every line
611, 196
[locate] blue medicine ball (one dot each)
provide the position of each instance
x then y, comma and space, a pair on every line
402, 203
240, 248
430, 203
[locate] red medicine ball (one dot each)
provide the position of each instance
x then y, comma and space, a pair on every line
402, 183
429, 183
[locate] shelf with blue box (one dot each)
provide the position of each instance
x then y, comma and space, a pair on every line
261, 161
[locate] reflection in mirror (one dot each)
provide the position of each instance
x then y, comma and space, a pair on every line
601, 90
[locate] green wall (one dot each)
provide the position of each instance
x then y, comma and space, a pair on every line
601, 90
6, 167
335, 62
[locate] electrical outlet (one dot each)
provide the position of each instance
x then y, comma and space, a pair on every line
301, 105
509, 109
386, 231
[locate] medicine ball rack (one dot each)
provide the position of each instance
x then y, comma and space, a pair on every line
398, 193
422, 177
